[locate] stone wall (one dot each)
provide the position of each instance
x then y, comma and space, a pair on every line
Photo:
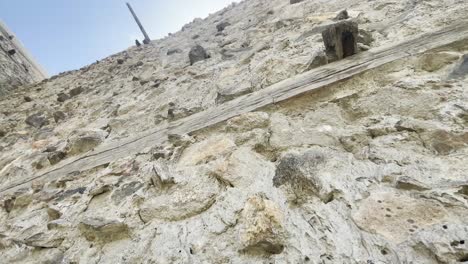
369, 170
17, 67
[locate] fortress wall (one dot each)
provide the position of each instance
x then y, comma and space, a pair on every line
17, 67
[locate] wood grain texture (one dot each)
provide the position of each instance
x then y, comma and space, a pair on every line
295, 86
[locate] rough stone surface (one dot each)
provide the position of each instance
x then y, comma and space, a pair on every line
368, 170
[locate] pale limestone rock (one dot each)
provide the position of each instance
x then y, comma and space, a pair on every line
243, 169
209, 149
185, 199
435, 61
247, 122
262, 227
397, 216
103, 230
85, 141
290, 134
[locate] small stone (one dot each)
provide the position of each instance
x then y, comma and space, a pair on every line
83, 142
103, 230
76, 91
161, 175
58, 116
342, 15
363, 47
12, 52
134, 78
143, 82
292, 2
409, 184
2, 133
221, 26
197, 53
120, 61
37, 120
248, 122
50, 149
8, 204
62, 97
56, 157
53, 214
27, 99
126, 190
45, 240
58, 224
37, 185
365, 37
299, 172
174, 51
137, 43
318, 60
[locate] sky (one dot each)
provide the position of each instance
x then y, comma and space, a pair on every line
66, 35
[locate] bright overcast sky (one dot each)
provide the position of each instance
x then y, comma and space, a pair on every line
68, 34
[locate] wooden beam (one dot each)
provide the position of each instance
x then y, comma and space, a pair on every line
300, 84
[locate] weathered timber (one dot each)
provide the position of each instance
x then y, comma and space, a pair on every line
295, 86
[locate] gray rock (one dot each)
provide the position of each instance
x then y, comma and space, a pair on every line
295, 1
319, 59
59, 116
103, 230
174, 51
461, 70
62, 97
365, 37
126, 190
37, 120
342, 15
409, 184
56, 157
83, 142
197, 53
299, 172
221, 26
76, 91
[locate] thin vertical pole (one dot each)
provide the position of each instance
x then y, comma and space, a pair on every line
147, 39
